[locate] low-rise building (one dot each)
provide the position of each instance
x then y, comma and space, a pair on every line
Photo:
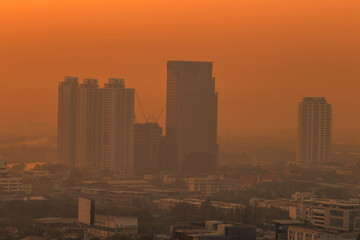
212, 230
307, 233
171, 202
9, 184
65, 225
282, 226
105, 226
331, 214
211, 184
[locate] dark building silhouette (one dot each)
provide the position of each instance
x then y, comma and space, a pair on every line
66, 130
147, 137
164, 163
191, 112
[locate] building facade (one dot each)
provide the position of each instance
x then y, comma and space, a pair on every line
212, 230
191, 113
117, 126
314, 131
211, 185
96, 125
88, 124
66, 130
147, 137
308, 233
9, 184
330, 214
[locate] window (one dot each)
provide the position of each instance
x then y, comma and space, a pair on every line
334, 222
336, 213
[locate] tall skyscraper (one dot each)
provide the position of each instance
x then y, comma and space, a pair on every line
314, 131
191, 113
66, 131
88, 124
117, 126
147, 137
96, 125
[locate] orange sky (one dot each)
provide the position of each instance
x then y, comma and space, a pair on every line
267, 55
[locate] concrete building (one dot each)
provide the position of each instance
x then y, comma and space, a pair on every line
96, 125
66, 130
88, 124
117, 125
307, 233
314, 131
282, 226
333, 214
9, 184
65, 225
105, 226
211, 184
191, 115
212, 230
168, 203
147, 137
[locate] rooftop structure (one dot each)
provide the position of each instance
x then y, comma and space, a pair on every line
212, 230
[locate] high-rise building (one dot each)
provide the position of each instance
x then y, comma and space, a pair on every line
66, 134
117, 126
147, 137
314, 131
96, 125
191, 113
88, 124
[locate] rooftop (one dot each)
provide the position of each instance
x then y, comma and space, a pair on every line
287, 221
314, 99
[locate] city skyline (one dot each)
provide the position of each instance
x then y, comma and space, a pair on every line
261, 60
179, 120
96, 126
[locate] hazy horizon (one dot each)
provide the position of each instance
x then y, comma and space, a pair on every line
267, 56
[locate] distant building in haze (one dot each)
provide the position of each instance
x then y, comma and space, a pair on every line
96, 125
314, 131
147, 137
66, 131
88, 124
191, 114
117, 126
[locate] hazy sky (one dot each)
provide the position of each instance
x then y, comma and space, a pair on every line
267, 55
